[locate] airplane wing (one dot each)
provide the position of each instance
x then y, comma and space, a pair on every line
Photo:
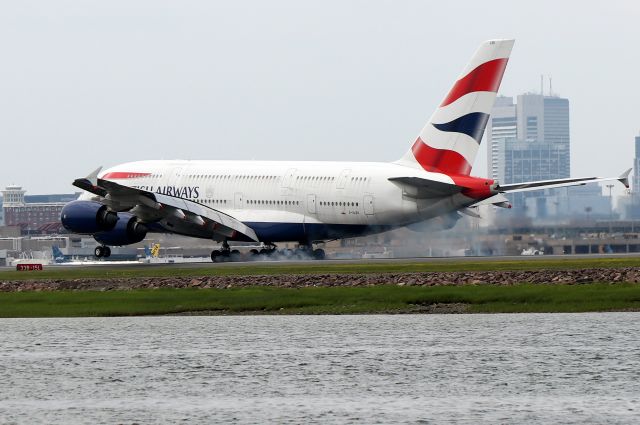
176, 215
549, 184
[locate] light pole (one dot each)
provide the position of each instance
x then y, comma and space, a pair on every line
610, 186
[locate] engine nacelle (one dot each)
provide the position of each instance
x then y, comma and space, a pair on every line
87, 217
126, 232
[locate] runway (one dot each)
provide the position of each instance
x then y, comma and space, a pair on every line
332, 262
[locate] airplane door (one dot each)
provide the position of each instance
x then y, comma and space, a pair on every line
238, 201
287, 180
368, 205
175, 176
311, 204
342, 179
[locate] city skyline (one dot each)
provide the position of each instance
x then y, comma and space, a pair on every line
530, 139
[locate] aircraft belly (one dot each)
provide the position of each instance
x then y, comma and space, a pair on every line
292, 232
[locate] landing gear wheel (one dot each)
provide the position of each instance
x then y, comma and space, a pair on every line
107, 252
99, 251
215, 255
318, 254
234, 255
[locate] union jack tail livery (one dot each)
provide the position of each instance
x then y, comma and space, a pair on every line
449, 142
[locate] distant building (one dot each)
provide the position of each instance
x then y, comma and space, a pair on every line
529, 140
1, 212
41, 216
502, 127
575, 202
55, 198
636, 168
629, 205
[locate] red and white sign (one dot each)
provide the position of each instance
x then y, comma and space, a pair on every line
28, 267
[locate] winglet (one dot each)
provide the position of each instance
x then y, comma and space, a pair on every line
93, 177
624, 178
90, 183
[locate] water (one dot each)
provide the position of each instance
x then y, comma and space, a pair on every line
567, 368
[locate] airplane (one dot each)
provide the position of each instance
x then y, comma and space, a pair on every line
310, 202
58, 256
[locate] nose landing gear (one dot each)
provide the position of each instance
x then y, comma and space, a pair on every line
102, 251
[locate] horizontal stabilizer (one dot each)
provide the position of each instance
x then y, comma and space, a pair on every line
550, 184
417, 187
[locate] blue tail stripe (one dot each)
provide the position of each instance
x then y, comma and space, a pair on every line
472, 125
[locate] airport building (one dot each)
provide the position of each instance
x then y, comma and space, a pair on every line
35, 214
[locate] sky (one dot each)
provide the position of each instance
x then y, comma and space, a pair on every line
96, 83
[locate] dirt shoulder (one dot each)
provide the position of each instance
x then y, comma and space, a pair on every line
505, 277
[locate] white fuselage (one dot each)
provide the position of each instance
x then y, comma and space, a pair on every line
285, 201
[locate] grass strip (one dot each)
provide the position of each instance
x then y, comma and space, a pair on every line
331, 300
175, 270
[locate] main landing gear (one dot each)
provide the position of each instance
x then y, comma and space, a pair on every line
268, 252
225, 254
102, 251
306, 251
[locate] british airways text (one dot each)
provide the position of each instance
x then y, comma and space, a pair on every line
191, 192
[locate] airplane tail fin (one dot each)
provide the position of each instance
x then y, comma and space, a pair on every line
449, 142
56, 252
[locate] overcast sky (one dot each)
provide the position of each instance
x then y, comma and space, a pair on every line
88, 83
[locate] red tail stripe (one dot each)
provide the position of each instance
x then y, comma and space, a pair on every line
440, 160
123, 175
485, 77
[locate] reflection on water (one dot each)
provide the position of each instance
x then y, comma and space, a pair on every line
569, 368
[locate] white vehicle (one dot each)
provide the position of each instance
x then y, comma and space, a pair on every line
532, 251
309, 201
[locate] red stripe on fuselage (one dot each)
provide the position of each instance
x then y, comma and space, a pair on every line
439, 160
124, 175
485, 77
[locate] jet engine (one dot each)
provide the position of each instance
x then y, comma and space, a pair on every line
87, 217
126, 232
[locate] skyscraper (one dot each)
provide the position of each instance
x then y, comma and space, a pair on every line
636, 169
502, 127
629, 205
527, 141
